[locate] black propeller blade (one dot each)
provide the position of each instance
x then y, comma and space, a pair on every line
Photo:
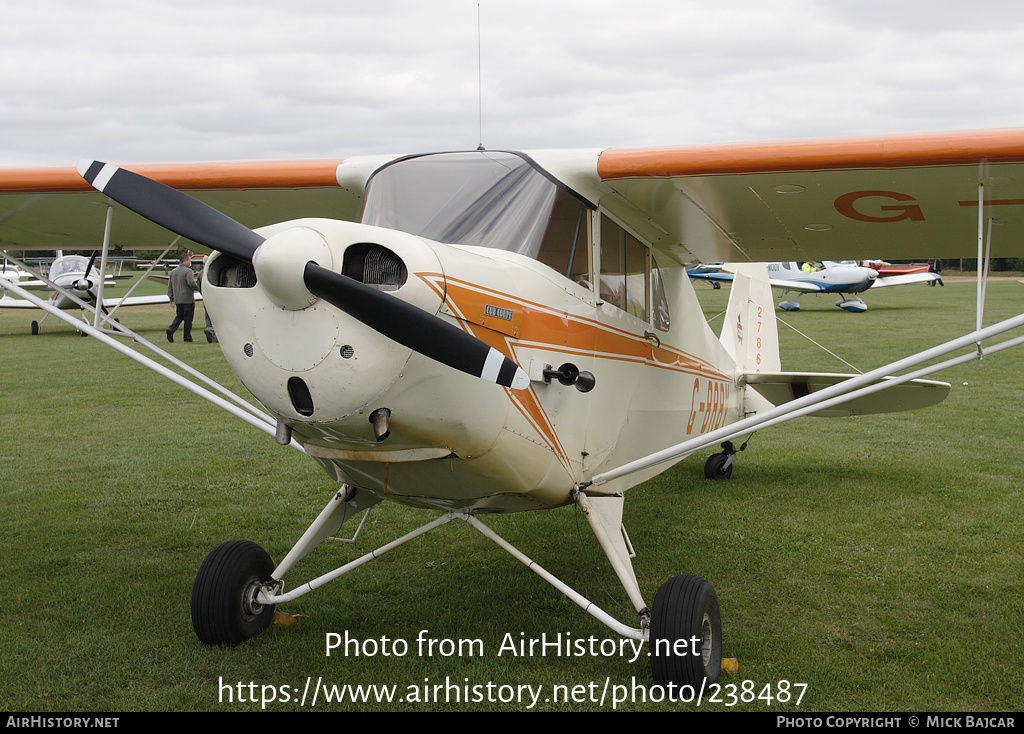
92, 261
413, 327
172, 209
402, 322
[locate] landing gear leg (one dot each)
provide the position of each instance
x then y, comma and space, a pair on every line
853, 304
791, 305
37, 324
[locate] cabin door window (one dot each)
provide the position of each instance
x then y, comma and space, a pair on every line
625, 270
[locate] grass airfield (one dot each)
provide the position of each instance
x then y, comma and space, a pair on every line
878, 560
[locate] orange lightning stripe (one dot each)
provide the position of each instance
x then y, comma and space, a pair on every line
534, 325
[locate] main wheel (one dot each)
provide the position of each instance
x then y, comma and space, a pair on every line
224, 606
715, 468
686, 608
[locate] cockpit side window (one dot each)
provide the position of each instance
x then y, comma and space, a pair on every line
660, 316
566, 242
625, 270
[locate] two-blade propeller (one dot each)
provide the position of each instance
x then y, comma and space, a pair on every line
402, 322
85, 285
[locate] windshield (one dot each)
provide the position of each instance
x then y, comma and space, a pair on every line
68, 264
483, 198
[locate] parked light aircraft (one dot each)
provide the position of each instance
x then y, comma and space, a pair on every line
74, 281
72, 272
490, 332
848, 277
10, 271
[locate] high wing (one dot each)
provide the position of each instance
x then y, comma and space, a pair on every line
56, 207
839, 198
836, 198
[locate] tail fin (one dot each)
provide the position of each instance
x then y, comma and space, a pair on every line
750, 333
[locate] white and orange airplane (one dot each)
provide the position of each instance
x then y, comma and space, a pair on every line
492, 332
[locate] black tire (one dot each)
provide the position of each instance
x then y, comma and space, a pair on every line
685, 607
715, 468
224, 608
35, 328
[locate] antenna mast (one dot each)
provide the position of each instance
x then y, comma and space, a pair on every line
479, 79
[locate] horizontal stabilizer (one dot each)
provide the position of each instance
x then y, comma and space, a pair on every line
781, 387
908, 278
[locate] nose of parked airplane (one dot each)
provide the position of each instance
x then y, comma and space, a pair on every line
304, 358
295, 278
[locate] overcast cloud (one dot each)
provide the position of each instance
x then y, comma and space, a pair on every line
192, 80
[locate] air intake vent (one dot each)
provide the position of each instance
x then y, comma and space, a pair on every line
229, 272
298, 392
375, 265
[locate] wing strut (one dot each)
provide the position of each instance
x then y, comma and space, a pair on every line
982, 258
103, 266
869, 382
236, 406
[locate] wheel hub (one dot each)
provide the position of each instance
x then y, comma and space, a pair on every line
708, 642
251, 608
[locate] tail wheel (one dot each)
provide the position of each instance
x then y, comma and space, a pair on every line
224, 606
718, 466
686, 633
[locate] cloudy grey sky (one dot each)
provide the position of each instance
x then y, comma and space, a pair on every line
131, 80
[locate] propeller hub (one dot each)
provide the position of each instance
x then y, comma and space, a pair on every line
280, 261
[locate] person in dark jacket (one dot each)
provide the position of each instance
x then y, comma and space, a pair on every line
181, 290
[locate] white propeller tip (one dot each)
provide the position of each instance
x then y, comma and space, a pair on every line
101, 172
521, 381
